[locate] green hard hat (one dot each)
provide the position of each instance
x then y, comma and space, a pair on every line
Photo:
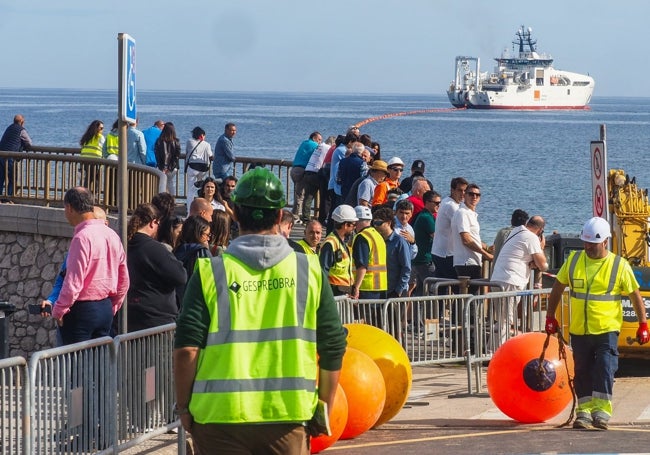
260, 188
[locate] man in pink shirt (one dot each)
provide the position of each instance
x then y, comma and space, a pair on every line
97, 278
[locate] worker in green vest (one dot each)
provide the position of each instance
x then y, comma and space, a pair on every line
256, 324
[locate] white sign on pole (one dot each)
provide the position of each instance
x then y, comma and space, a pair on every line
128, 112
599, 179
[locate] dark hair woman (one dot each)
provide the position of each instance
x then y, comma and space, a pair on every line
92, 143
154, 273
193, 243
168, 154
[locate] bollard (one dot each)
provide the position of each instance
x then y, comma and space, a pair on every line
6, 309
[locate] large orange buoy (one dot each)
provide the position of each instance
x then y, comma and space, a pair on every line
338, 419
392, 361
518, 387
365, 390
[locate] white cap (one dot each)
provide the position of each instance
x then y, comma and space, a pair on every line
363, 212
344, 213
595, 230
395, 160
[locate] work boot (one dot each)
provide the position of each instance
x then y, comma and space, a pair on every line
601, 423
582, 423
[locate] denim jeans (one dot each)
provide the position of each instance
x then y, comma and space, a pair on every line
87, 320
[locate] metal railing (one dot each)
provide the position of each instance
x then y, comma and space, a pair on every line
42, 175
13, 386
43, 179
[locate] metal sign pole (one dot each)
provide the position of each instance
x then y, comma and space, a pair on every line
126, 113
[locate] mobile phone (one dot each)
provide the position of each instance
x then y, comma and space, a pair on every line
35, 308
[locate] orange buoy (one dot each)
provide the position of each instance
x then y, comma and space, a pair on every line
520, 388
338, 419
365, 390
392, 361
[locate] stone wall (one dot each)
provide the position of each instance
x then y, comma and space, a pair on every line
33, 243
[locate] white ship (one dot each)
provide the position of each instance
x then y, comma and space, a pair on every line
525, 81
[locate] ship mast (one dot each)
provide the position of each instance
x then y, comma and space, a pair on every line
524, 38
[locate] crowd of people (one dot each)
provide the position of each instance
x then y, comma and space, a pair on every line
239, 288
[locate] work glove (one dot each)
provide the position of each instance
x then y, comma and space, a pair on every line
642, 335
552, 326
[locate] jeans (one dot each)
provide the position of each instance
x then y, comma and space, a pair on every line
87, 320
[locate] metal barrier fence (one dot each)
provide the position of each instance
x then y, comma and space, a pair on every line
145, 391
496, 317
100, 396
13, 386
108, 395
72, 404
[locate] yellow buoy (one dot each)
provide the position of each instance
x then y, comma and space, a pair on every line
391, 359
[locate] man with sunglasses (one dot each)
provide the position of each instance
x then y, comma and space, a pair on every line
424, 228
469, 250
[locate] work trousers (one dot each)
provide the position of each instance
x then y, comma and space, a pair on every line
596, 360
242, 439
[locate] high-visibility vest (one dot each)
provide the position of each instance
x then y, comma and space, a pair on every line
93, 147
376, 277
259, 363
340, 273
112, 143
595, 300
305, 246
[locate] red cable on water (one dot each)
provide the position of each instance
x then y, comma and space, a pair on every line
401, 114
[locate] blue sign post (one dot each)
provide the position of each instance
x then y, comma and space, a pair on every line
128, 112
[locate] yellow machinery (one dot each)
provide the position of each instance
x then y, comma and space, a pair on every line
629, 212
630, 219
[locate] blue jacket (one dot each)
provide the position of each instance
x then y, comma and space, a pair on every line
151, 135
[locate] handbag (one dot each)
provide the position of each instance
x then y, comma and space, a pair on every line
187, 160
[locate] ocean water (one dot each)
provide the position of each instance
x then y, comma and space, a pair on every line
537, 161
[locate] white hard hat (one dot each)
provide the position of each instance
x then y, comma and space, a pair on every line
363, 212
344, 214
595, 230
395, 160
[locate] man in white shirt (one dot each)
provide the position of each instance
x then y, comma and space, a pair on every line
469, 250
522, 251
442, 250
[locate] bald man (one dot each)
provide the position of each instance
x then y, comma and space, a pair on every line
14, 139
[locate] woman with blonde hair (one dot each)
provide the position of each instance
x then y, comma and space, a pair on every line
220, 232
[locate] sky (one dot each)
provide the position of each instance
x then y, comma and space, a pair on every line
341, 46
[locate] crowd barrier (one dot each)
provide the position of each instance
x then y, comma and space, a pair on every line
108, 395
101, 396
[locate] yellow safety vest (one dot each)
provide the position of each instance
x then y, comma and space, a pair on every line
305, 246
376, 277
340, 273
595, 300
112, 143
259, 363
93, 148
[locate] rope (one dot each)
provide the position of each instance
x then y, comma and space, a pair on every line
562, 356
401, 114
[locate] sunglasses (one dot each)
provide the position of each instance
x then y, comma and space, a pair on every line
473, 194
